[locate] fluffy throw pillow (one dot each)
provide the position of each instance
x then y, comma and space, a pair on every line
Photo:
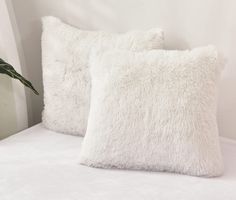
66, 79
154, 110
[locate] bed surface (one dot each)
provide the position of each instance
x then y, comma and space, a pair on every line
38, 164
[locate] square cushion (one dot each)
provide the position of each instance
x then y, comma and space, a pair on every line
66, 79
154, 110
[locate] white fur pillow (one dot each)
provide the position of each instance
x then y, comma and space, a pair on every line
154, 110
65, 51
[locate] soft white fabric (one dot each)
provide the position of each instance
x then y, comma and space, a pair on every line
38, 164
66, 80
154, 110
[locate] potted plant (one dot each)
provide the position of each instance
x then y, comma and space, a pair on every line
6, 68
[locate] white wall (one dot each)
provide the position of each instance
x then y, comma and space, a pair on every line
8, 121
13, 115
187, 23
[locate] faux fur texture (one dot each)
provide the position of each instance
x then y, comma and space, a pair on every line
154, 110
66, 79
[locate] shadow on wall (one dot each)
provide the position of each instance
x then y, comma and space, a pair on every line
8, 120
28, 17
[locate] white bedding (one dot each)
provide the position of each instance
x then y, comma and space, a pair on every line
38, 164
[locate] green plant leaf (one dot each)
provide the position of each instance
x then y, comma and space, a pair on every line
8, 69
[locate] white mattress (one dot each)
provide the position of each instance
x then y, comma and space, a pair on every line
38, 164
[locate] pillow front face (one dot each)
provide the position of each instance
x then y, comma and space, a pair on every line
154, 110
66, 78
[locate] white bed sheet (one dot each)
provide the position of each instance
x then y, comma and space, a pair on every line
38, 164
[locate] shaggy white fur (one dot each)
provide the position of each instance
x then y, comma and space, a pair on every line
154, 110
66, 79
